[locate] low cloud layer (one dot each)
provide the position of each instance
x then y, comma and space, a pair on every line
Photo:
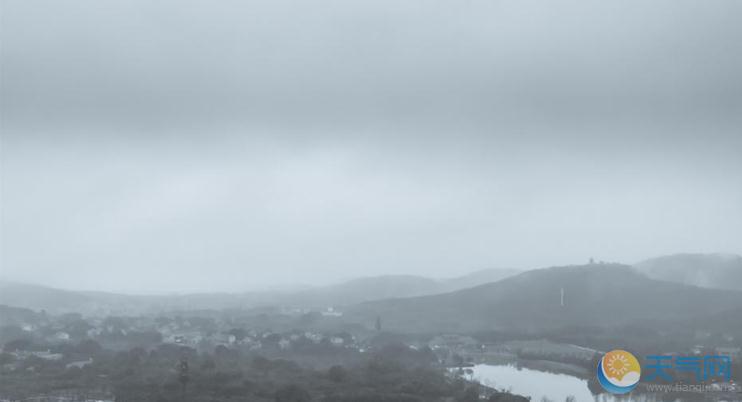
196, 146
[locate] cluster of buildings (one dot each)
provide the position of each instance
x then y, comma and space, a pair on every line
254, 340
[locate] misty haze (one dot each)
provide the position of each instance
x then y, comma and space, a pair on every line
396, 201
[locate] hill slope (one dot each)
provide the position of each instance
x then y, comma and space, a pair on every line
40, 298
719, 271
601, 295
477, 278
390, 286
346, 293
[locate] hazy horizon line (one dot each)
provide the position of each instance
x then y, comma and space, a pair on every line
294, 287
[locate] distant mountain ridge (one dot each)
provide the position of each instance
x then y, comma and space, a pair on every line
39, 297
594, 295
347, 293
664, 288
393, 286
717, 271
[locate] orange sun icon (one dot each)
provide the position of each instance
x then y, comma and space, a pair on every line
618, 365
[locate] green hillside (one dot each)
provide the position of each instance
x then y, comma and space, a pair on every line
604, 295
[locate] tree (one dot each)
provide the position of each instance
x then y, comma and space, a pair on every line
470, 395
292, 393
6, 358
337, 373
261, 364
458, 361
208, 364
89, 347
238, 333
506, 397
19, 344
11, 332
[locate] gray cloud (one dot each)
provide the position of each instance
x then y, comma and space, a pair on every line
230, 145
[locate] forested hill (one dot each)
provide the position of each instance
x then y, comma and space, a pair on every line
594, 295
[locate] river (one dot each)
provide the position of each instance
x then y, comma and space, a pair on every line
539, 384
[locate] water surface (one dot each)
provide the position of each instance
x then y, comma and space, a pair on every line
540, 384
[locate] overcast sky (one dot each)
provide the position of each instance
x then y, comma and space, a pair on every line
161, 146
